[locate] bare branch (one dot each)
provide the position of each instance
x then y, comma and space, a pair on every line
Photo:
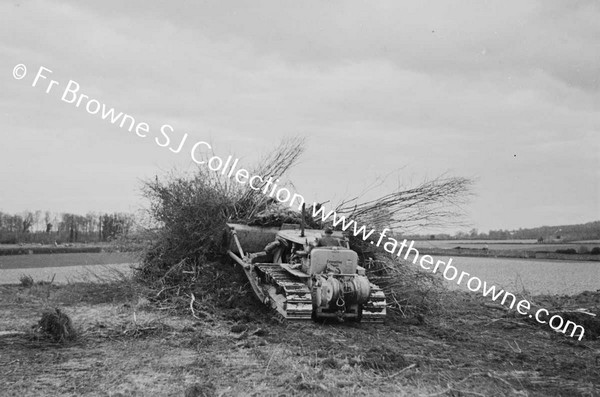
434, 203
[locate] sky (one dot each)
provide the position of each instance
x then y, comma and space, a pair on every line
504, 92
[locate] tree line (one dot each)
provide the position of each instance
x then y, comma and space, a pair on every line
48, 228
543, 234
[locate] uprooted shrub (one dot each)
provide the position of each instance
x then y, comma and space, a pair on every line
57, 325
189, 215
26, 281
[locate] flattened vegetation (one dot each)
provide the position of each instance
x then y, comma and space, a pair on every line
127, 344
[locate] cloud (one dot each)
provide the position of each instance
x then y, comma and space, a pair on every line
430, 85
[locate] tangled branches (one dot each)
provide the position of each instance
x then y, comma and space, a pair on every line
410, 293
274, 166
433, 203
189, 214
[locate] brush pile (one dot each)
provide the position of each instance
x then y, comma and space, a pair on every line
188, 216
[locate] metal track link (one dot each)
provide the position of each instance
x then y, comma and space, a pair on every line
290, 297
375, 309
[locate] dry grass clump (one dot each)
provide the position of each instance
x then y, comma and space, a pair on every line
57, 325
26, 280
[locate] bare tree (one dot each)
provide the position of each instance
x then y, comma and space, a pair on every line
47, 221
28, 221
37, 217
91, 222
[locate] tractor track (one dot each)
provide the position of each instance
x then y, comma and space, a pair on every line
291, 298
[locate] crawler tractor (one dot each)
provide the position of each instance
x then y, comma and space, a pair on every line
301, 281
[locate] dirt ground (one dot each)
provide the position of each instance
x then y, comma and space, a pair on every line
130, 345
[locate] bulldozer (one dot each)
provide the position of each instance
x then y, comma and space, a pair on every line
302, 281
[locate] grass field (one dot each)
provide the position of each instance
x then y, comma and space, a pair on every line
59, 260
128, 345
